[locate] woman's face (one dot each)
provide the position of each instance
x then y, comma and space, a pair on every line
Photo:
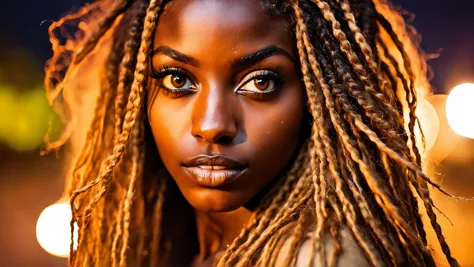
225, 102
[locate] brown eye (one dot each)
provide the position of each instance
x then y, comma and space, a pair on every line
261, 83
177, 81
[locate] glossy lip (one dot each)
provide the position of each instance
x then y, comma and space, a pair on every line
213, 171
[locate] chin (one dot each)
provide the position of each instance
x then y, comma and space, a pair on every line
215, 200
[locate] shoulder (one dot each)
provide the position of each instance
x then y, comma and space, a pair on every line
350, 255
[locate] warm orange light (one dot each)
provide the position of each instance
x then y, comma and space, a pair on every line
460, 109
53, 229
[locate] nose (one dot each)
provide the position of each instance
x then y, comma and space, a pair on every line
213, 118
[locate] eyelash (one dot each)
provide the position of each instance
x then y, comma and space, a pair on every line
167, 70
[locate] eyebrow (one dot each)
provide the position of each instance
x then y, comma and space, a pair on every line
244, 61
253, 58
170, 52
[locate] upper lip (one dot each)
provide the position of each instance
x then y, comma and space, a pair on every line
215, 160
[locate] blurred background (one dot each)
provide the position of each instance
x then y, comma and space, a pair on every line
30, 183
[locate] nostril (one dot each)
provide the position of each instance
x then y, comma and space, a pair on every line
214, 135
224, 139
197, 136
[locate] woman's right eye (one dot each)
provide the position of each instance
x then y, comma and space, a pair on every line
177, 81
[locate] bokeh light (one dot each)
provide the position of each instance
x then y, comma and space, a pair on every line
460, 109
429, 122
25, 116
53, 229
447, 139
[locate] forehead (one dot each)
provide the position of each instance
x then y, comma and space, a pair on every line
221, 25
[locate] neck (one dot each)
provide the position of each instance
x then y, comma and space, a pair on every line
217, 230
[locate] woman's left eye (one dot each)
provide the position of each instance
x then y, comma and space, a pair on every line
259, 85
260, 82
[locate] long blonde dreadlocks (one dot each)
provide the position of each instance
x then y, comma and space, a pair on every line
359, 170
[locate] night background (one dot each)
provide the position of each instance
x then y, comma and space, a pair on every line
29, 183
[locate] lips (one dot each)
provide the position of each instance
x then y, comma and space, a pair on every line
213, 171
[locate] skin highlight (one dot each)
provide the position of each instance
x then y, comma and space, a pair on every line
203, 164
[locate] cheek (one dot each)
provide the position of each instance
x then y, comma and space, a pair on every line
169, 122
274, 128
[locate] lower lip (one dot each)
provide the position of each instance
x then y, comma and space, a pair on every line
212, 178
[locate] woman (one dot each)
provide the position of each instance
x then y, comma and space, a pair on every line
246, 133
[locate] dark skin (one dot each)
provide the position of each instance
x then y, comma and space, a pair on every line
225, 82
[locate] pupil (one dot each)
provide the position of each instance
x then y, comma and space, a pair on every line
178, 80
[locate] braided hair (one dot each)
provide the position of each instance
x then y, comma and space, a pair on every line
359, 169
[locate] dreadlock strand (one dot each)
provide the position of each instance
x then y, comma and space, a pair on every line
285, 216
353, 58
399, 231
288, 207
318, 178
385, 68
336, 237
94, 133
350, 81
113, 72
358, 36
298, 237
411, 94
136, 151
365, 47
274, 227
132, 112
354, 186
133, 107
346, 204
55, 65
157, 222
102, 26
380, 197
400, 159
131, 47
269, 207
420, 185
425, 196
118, 232
395, 65
274, 248
316, 240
